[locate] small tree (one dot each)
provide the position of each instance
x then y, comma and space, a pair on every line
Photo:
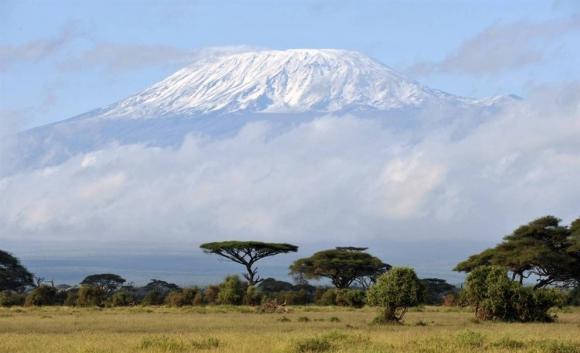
210, 294
105, 282
343, 266
122, 298
395, 291
42, 295
90, 296
231, 291
10, 298
247, 253
495, 297
13, 276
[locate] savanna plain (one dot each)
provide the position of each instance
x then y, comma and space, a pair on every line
300, 330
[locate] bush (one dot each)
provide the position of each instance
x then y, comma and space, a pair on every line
252, 297
90, 296
122, 298
395, 291
153, 297
182, 297
574, 296
495, 297
10, 298
327, 297
350, 297
210, 294
71, 297
198, 299
450, 299
300, 297
42, 295
231, 291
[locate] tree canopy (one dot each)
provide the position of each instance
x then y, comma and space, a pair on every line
13, 276
395, 291
247, 253
106, 282
343, 266
161, 286
543, 249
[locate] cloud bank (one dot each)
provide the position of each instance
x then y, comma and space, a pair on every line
333, 180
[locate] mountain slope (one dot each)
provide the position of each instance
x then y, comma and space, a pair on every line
289, 81
219, 95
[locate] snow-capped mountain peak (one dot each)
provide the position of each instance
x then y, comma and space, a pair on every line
277, 81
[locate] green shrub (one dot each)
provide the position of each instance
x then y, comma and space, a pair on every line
90, 296
122, 298
42, 295
350, 297
10, 298
328, 297
153, 297
395, 291
252, 296
231, 291
300, 297
181, 297
495, 297
210, 295
71, 297
573, 297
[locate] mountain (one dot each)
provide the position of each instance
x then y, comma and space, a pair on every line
289, 81
218, 95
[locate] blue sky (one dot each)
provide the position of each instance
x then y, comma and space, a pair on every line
62, 58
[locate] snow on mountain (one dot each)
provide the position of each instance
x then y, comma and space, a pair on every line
218, 95
278, 81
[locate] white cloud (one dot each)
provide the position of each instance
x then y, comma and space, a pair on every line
39, 49
331, 180
501, 47
115, 58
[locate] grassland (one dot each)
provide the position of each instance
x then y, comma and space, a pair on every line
302, 330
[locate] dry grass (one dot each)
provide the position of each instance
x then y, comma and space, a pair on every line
223, 329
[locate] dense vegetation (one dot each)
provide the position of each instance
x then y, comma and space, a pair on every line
496, 289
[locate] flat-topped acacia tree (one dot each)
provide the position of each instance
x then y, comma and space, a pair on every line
342, 265
247, 253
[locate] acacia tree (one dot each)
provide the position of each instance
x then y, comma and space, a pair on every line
343, 266
13, 276
543, 249
247, 253
104, 282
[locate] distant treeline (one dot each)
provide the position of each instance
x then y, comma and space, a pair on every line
543, 250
